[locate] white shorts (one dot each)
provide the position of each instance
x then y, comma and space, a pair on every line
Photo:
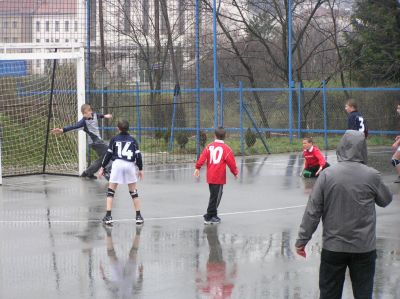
123, 172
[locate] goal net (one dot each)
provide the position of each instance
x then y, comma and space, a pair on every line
42, 87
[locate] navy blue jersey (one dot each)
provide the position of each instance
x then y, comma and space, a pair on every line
124, 147
356, 122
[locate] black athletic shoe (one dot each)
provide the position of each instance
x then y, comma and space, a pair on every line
86, 175
139, 220
107, 220
397, 180
206, 219
215, 220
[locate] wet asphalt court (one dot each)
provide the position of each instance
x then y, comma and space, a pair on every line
54, 246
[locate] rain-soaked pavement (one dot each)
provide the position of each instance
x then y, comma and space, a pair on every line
53, 245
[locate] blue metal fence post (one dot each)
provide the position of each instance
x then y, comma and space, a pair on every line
325, 115
215, 63
222, 106
290, 78
241, 117
197, 56
138, 116
299, 110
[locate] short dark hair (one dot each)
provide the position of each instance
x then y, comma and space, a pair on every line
352, 103
123, 125
220, 133
308, 139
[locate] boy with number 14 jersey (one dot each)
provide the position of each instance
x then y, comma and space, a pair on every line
124, 151
218, 155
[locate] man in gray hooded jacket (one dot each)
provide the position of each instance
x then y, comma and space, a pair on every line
344, 196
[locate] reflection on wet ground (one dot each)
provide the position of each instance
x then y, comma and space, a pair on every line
53, 245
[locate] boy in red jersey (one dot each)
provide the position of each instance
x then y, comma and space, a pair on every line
314, 161
218, 155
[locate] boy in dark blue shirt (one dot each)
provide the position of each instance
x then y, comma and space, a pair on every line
355, 121
90, 125
124, 151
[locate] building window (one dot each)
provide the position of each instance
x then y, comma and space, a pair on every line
57, 26
57, 40
47, 40
15, 39
127, 16
145, 16
38, 40
76, 26
38, 63
6, 39
5, 25
47, 26
37, 26
67, 40
66, 26
15, 24
76, 40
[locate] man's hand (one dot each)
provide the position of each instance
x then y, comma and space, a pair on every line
101, 172
301, 251
236, 176
319, 170
196, 173
57, 131
107, 115
141, 174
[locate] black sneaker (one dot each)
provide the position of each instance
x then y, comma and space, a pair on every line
86, 175
139, 220
215, 220
397, 180
107, 220
206, 219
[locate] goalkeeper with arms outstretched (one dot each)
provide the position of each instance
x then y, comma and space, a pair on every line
90, 125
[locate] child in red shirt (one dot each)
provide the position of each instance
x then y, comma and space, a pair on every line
314, 161
218, 155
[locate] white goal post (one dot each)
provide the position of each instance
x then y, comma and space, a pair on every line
48, 52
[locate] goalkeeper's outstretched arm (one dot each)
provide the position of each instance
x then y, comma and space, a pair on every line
78, 125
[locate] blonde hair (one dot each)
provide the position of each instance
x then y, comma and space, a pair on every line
85, 107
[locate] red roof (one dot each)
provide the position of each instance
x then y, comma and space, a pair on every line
38, 7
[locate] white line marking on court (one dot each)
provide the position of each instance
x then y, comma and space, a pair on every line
152, 219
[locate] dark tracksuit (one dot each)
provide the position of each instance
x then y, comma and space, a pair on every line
91, 128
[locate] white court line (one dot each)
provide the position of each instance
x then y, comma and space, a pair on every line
150, 219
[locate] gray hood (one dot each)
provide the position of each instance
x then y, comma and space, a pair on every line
352, 147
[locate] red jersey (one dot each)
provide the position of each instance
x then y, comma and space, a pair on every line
313, 157
218, 155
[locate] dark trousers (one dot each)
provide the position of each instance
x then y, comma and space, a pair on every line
101, 149
314, 169
215, 199
333, 269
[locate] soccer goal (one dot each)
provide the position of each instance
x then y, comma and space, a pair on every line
42, 87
